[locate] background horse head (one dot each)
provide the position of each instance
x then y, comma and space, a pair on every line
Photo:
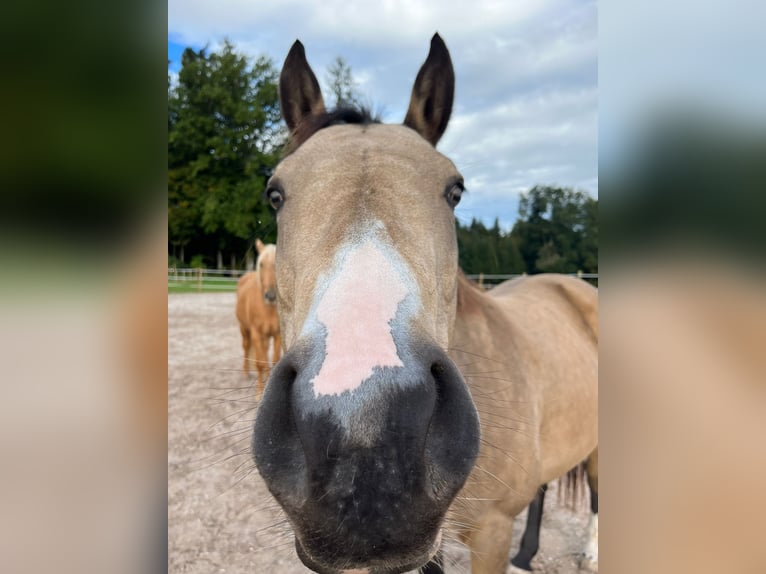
366, 431
266, 271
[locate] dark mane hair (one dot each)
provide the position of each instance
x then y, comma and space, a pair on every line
311, 124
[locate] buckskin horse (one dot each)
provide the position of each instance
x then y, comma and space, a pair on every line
409, 403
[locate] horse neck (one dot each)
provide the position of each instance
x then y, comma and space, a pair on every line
470, 297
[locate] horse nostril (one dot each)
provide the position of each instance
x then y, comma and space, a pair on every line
438, 371
453, 434
276, 446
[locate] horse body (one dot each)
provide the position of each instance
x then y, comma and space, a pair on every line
257, 315
368, 433
528, 350
556, 333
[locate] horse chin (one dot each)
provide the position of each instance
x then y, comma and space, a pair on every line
375, 565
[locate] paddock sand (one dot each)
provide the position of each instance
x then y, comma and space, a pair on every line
221, 517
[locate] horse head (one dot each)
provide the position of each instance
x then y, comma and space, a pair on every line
366, 431
265, 267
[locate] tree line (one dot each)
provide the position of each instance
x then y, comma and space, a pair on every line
225, 136
556, 231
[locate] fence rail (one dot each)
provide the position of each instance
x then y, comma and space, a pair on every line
193, 279
489, 280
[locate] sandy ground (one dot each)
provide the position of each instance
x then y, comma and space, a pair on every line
221, 517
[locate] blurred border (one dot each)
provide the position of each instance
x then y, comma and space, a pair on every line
683, 298
83, 307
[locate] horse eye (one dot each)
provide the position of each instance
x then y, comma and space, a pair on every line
454, 193
276, 197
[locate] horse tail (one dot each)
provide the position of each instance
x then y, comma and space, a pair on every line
571, 487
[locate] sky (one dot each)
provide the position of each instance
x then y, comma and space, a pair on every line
526, 95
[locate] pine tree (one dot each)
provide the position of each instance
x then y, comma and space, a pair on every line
225, 137
341, 84
557, 230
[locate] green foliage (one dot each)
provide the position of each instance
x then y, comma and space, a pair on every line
197, 262
557, 230
341, 83
483, 250
224, 139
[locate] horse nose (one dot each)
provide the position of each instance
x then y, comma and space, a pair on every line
270, 296
366, 475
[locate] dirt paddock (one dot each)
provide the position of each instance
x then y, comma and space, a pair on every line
221, 517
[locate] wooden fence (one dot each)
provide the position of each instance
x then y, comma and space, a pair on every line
193, 279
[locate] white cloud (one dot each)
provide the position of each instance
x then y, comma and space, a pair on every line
548, 138
526, 72
173, 79
381, 24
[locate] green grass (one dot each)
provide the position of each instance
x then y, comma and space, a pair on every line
208, 284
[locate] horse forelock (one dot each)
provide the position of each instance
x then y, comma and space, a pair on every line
268, 251
311, 124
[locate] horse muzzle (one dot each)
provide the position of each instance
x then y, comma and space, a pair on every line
385, 567
270, 297
366, 476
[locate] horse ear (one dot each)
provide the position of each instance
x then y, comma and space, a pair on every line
258, 245
299, 92
432, 94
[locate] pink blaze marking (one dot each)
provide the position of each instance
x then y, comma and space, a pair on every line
356, 310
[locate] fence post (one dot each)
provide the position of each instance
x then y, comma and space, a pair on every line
199, 279
579, 273
481, 280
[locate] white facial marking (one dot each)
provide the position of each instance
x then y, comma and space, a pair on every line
356, 310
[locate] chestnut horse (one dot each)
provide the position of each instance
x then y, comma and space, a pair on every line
257, 314
409, 404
